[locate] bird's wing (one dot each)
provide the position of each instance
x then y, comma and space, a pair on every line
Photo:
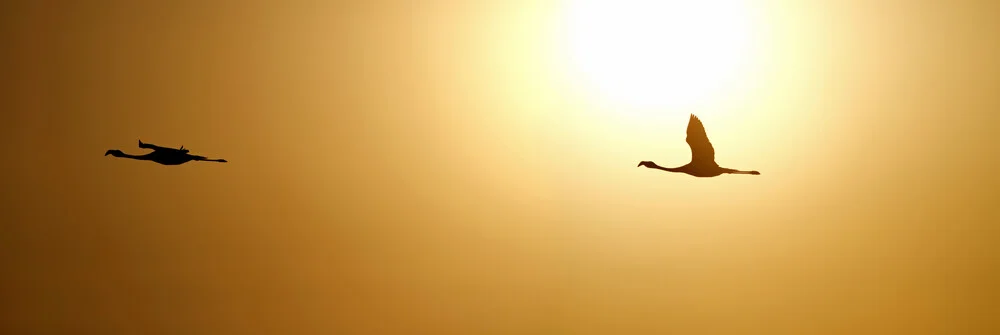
155, 147
702, 151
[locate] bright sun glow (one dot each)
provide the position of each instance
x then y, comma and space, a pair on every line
659, 53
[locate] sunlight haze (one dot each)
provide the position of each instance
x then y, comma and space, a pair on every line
654, 54
469, 167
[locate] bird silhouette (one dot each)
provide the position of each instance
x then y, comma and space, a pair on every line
162, 155
702, 155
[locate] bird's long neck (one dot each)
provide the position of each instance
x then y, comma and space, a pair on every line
653, 165
125, 155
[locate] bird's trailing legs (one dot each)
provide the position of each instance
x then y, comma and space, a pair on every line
734, 171
203, 158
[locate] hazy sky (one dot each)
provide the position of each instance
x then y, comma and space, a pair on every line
441, 167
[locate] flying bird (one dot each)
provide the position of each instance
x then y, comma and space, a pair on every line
702, 155
165, 156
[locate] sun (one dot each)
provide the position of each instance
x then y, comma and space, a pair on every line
658, 53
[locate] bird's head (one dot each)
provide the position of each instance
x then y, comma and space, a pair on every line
113, 152
648, 164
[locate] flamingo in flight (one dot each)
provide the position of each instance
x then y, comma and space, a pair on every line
702, 155
162, 155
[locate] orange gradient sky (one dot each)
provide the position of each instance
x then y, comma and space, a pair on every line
469, 167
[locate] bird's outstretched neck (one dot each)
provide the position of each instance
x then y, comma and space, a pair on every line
119, 153
652, 165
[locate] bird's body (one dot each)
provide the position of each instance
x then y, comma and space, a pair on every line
702, 155
162, 155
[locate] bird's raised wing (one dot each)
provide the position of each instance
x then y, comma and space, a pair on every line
145, 145
702, 151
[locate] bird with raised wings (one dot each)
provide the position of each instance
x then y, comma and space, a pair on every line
702, 155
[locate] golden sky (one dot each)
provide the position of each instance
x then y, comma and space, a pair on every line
468, 167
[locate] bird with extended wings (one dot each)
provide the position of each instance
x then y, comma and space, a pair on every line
702, 155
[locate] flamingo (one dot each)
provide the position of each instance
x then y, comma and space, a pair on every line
702, 155
162, 155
